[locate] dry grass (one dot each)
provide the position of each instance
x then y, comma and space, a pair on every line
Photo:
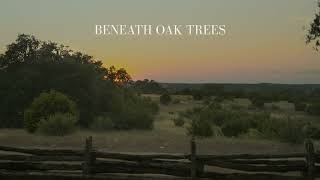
170, 140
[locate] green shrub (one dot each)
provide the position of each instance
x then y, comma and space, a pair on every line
165, 99
176, 101
31, 124
47, 104
252, 133
236, 127
314, 109
269, 127
199, 128
197, 95
150, 105
216, 131
102, 123
291, 131
57, 125
178, 121
215, 105
299, 106
284, 129
135, 113
312, 131
219, 117
134, 120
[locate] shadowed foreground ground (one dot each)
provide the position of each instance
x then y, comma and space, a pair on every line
169, 140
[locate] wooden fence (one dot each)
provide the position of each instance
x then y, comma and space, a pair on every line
19, 163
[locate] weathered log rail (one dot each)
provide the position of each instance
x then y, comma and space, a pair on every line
93, 164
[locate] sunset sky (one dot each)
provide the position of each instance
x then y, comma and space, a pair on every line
265, 40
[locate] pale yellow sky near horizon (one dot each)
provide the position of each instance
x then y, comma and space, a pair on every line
265, 40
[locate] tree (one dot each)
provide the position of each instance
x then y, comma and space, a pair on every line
147, 86
30, 66
165, 99
313, 35
120, 77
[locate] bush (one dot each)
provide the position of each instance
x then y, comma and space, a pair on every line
314, 109
134, 120
219, 117
46, 105
252, 133
199, 128
165, 99
236, 127
57, 125
291, 131
102, 123
178, 121
216, 131
176, 101
31, 123
150, 105
197, 95
300, 106
269, 127
311, 131
135, 113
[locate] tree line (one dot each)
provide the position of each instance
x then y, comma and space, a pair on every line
30, 66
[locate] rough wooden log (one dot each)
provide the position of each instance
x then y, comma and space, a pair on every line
193, 159
25, 166
252, 168
317, 158
143, 167
18, 157
250, 156
241, 176
317, 172
310, 160
72, 176
268, 162
138, 157
89, 157
49, 152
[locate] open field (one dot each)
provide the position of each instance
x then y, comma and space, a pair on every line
165, 137
162, 139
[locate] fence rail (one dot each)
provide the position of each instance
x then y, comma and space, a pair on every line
88, 162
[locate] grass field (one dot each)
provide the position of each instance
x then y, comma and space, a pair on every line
165, 137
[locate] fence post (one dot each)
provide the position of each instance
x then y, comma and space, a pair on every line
89, 157
310, 159
193, 159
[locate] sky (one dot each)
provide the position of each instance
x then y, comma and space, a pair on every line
265, 40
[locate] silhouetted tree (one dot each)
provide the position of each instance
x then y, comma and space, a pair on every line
30, 66
313, 35
147, 86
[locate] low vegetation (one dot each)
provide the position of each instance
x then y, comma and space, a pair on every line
47, 106
235, 123
102, 123
165, 99
178, 121
58, 124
